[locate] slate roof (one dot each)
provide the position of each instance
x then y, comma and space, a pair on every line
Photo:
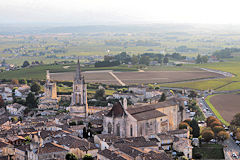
24, 147
111, 155
148, 115
116, 111
157, 156
150, 107
3, 144
50, 148
75, 142
179, 131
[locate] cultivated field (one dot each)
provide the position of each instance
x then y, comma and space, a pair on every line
226, 104
163, 76
229, 83
138, 77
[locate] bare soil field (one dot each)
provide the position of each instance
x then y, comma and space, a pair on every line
138, 77
90, 77
163, 76
227, 105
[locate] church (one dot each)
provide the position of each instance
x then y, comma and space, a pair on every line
79, 105
142, 119
50, 100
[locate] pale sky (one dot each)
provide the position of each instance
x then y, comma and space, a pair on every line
120, 11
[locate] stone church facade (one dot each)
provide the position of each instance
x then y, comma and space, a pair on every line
141, 120
79, 105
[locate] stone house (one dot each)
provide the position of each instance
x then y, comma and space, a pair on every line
183, 145
47, 151
80, 147
16, 109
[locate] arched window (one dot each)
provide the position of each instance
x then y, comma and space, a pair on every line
141, 130
131, 130
109, 128
118, 129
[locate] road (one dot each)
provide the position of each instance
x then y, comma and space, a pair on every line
231, 146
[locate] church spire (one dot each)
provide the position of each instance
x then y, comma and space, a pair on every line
78, 71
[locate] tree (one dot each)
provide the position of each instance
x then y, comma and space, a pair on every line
207, 135
215, 123
236, 120
199, 59
35, 87
187, 121
210, 120
31, 101
134, 59
85, 132
28, 139
71, 156
88, 157
23, 81
192, 94
237, 135
217, 129
15, 82
204, 59
163, 98
144, 60
25, 64
165, 60
183, 125
13, 95
195, 128
2, 104
14, 119
99, 95
223, 135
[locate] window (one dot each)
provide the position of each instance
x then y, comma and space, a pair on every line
118, 129
109, 128
131, 130
141, 130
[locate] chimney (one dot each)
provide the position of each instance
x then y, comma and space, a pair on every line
125, 103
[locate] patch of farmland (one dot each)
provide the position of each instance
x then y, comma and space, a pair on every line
138, 77
90, 77
227, 105
164, 76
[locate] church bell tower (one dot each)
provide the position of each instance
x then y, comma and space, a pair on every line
79, 106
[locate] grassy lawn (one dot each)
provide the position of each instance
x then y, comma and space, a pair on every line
209, 151
216, 111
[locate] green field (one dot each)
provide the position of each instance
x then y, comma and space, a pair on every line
230, 83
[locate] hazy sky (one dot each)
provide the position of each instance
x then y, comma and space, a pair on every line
120, 11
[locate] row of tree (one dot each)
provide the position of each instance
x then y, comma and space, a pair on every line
201, 59
213, 130
145, 59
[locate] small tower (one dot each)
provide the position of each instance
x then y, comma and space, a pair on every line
50, 99
79, 106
